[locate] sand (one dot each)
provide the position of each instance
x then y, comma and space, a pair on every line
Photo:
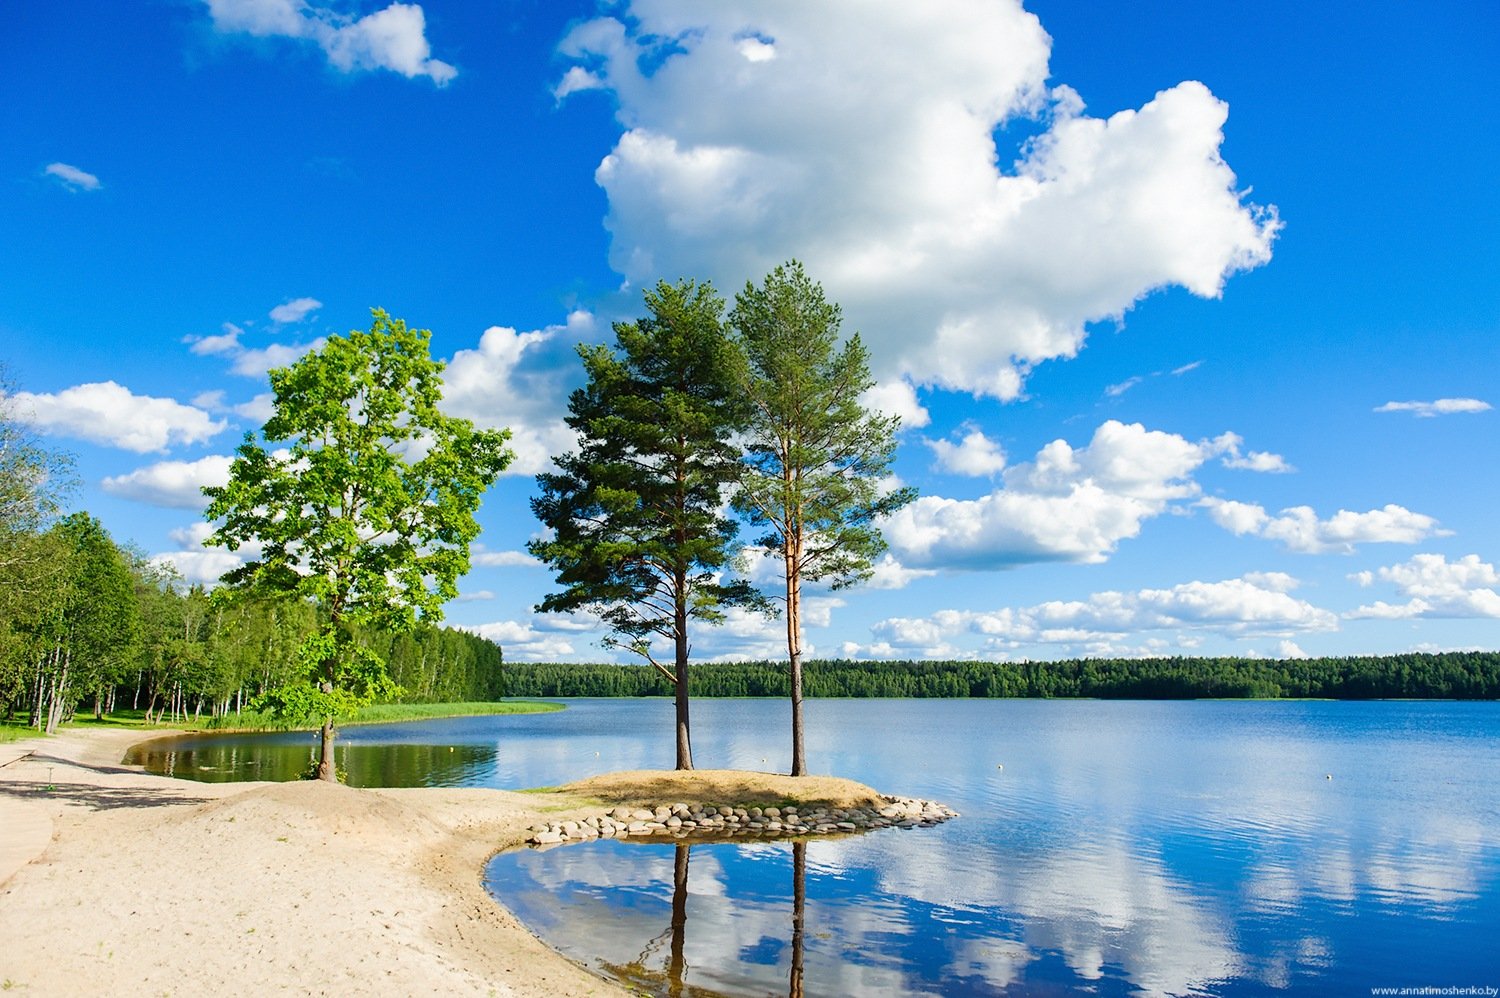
114, 881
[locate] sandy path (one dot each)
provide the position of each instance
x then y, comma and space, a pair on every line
154, 886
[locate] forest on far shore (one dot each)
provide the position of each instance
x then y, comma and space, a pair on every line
1472, 675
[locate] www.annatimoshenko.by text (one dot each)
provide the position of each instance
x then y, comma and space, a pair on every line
1483, 991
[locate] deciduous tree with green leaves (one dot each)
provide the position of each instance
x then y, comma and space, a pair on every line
816, 459
639, 534
33, 482
366, 509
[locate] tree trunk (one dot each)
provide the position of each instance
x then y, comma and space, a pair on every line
794, 652
59, 695
684, 737
36, 711
327, 770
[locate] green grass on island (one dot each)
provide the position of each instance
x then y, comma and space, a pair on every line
17, 727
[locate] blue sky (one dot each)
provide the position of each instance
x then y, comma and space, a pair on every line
1144, 280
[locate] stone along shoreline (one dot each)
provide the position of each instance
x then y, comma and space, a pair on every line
681, 820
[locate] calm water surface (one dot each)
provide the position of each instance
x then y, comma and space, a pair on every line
1214, 848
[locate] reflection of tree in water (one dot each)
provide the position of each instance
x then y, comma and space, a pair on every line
404, 765
671, 981
799, 903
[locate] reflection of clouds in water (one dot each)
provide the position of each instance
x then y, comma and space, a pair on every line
1418, 868
738, 904
1277, 970
520, 764
1222, 852
1108, 906
1112, 902
1001, 962
1096, 905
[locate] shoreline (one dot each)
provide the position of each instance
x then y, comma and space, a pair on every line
143, 884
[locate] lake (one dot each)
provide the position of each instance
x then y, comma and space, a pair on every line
1110, 847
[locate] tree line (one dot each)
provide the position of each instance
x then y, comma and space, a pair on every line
104, 629
1470, 675
87, 624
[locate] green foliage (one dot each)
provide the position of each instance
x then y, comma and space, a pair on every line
636, 512
816, 460
358, 679
638, 534
342, 516
1448, 675
87, 628
367, 511
385, 713
33, 482
82, 616
33, 479
816, 457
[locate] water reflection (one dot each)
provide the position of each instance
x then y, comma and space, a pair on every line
659, 963
1125, 848
224, 760
799, 905
1158, 849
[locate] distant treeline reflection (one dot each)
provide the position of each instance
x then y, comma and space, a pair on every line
1452, 675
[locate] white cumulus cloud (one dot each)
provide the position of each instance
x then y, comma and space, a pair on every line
973, 454
1437, 407
888, 573
1300, 530
1229, 445
176, 484
197, 563
859, 136
897, 397
1233, 607
1065, 505
295, 310
520, 381
480, 556
394, 38
1433, 586
522, 641
249, 362
72, 177
108, 413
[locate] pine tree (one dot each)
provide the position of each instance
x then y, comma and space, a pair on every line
816, 459
639, 535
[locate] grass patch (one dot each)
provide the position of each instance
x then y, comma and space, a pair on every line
17, 727
385, 713
14, 732
380, 713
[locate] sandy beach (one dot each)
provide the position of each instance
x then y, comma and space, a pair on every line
114, 881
